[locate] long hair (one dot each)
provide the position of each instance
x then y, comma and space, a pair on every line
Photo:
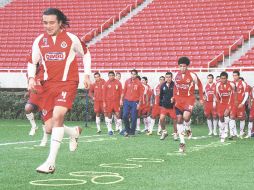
59, 14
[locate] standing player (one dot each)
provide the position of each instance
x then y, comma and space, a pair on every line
184, 94
144, 108
112, 92
167, 104
210, 105
241, 98
251, 112
155, 104
56, 49
131, 98
225, 94
96, 93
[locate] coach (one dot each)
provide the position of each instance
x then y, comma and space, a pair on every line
131, 97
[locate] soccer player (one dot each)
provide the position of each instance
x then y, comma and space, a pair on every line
251, 112
242, 95
112, 92
118, 122
131, 97
155, 104
167, 103
96, 93
210, 105
56, 49
225, 94
144, 107
184, 95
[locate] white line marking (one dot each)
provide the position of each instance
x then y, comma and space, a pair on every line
120, 165
151, 160
93, 180
91, 173
27, 142
40, 182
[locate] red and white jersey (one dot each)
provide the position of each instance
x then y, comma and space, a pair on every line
57, 54
185, 84
225, 92
241, 89
209, 91
156, 93
96, 90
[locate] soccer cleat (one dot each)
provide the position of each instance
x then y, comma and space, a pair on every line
222, 140
33, 131
144, 131
189, 134
43, 143
73, 144
98, 131
110, 133
241, 136
163, 135
252, 135
149, 133
46, 168
210, 133
175, 136
215, 133
247, 137
232, 137
159, 133
138, 131
182, 147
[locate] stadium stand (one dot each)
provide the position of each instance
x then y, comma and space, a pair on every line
246, 60
20, 23
165, 30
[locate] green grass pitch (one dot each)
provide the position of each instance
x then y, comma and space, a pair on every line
138, 163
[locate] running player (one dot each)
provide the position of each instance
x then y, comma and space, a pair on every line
56, 49
184, 94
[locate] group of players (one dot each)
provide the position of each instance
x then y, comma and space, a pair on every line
53, 79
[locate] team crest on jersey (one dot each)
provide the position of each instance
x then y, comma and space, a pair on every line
188, 80
55, 56
63, 44
45, 42
44, 112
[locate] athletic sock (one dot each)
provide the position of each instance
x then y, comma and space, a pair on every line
180, 130
232, 126
30, 117
210, 125
215, 124
98, 123
250, 128
242, 124
56, 139
138, 124
70, 131
151, 125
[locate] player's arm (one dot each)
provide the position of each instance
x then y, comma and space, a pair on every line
83, 51
123, 93
31, 67
104, 94
246, 94
161, 95
91, 92
200, 90
217, 96
233, 96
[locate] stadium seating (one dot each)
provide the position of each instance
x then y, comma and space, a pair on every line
246, 60
166, 30
20, 23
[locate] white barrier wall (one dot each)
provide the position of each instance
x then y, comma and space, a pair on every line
19, 80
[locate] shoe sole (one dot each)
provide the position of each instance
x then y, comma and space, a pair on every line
42, 172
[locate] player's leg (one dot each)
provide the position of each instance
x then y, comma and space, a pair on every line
118, 120
56, 139
187, 123
134, 113
126, 112
207, 111
108, 120
180, 129
164, 132
97, 116
29, 109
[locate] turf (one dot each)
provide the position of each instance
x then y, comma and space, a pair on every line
207, 163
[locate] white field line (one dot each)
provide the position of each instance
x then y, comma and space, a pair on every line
27, 142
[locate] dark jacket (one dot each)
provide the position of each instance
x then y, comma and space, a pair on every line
166, 93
